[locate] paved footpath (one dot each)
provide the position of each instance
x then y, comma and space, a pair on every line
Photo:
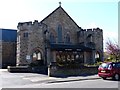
44, 78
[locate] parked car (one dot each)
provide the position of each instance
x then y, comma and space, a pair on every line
109, 69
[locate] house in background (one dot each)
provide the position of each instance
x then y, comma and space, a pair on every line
8, 38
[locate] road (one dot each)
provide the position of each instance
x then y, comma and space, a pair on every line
32, 80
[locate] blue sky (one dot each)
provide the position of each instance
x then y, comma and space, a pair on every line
86, 13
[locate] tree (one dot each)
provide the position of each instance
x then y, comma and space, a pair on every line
113, 50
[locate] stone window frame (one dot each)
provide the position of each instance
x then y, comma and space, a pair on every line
67, 38
37, 55
89, 38
25, 34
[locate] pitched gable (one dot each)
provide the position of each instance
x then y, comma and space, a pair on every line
68, 26
59, 14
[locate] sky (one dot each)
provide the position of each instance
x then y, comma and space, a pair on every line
86, 13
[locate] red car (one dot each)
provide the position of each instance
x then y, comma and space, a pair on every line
109, 69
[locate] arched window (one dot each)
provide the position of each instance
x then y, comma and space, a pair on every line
67, 38
59, 31
97, 56
52, 38
37, 55
34, 55
90, 38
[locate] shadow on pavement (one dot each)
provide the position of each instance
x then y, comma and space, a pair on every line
73, 80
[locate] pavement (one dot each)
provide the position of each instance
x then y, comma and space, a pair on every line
74, 78
37, 78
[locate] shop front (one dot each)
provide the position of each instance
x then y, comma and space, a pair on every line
68, 54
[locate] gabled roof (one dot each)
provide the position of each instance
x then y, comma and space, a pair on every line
64, 12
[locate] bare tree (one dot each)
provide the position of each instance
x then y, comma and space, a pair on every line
113, 49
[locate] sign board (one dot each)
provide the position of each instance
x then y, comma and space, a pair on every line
27, 57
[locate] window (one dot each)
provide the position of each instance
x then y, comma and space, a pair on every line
25, 34
52, 38
37, 56
77, 56
67, 38
59, 31
90, 38
34, 55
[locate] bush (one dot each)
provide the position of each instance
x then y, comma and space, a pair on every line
36, 63
98, 60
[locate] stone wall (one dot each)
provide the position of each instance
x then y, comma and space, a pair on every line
55, 71
93, 36
34, 41
59, 17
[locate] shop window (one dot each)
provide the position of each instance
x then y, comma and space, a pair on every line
72, 58
68, 57
77, 56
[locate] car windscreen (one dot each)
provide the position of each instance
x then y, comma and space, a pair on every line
104, 65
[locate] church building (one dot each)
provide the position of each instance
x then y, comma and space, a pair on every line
57, 38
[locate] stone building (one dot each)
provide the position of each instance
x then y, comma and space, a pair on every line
8, 39
57, 38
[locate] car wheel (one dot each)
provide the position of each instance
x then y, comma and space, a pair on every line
104, 78
116, 77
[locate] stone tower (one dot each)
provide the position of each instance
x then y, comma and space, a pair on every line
92, 38
30, 42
